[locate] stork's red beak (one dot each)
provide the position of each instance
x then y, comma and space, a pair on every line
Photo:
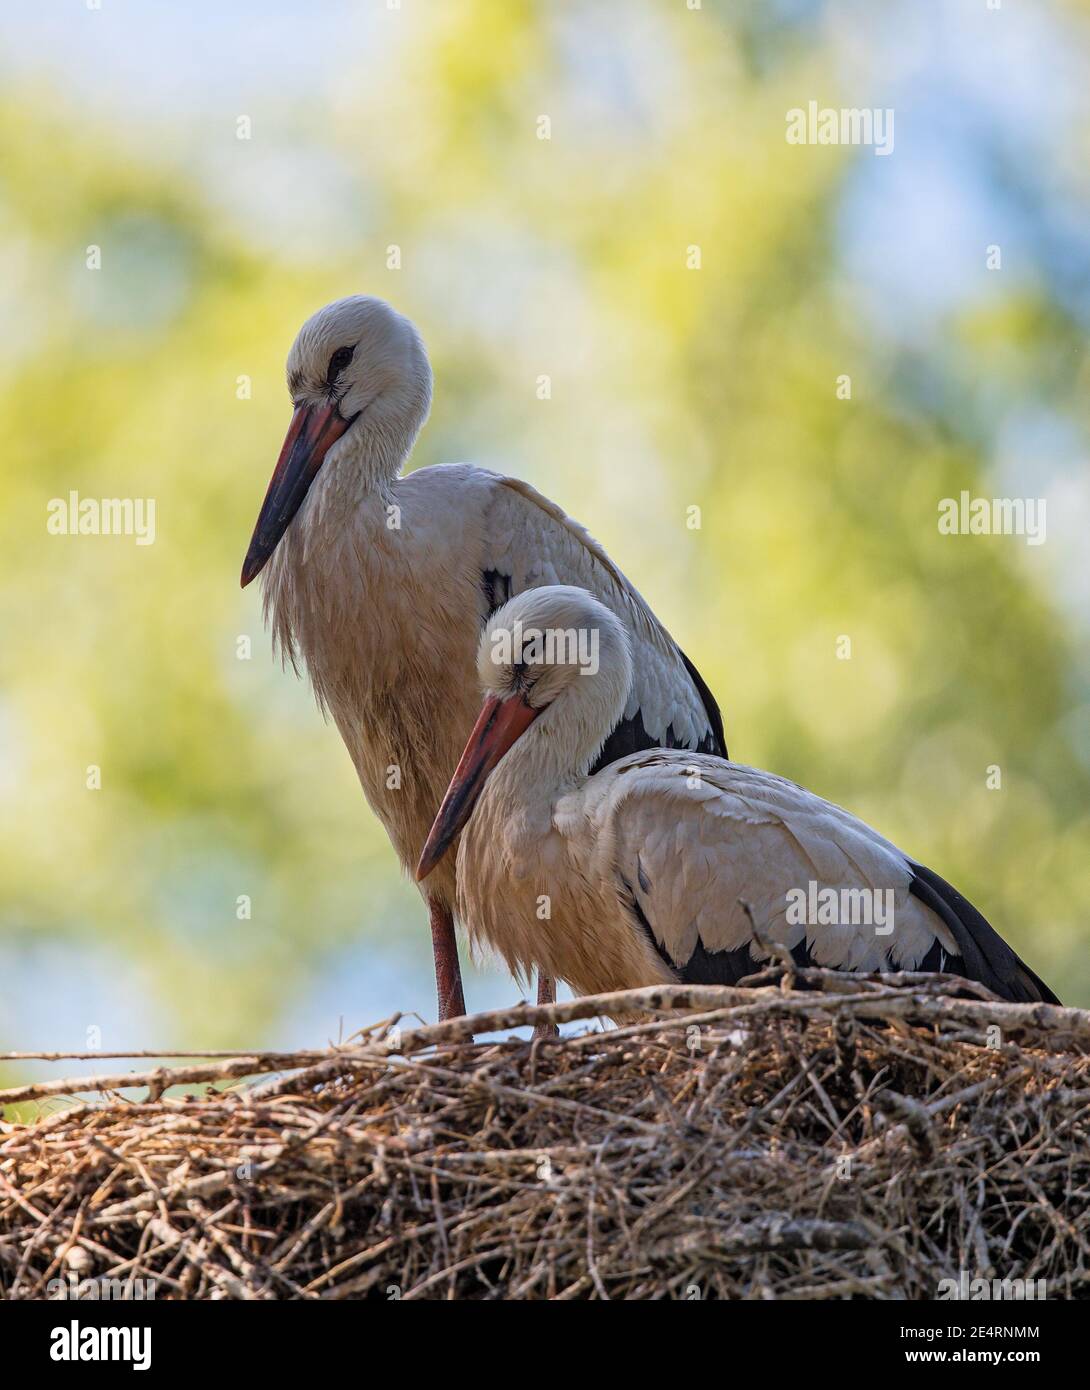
498, 725
313, 429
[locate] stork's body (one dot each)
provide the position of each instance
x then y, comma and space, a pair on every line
380, 584
668, 866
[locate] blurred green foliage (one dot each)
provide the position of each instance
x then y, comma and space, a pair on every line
670, 388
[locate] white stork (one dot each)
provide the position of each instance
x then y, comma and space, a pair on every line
667, 866
381, 584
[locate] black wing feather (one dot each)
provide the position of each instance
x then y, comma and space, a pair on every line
717, 742
985, 956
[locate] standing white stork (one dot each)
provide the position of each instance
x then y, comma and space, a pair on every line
381, 585
667, 865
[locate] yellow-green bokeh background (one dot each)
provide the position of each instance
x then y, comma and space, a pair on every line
670, 387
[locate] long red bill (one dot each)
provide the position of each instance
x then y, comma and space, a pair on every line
313, 429
499, 724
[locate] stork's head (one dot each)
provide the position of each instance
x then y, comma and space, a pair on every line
555, 658
360, 382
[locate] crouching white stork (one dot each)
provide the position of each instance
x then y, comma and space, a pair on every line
380, 584
667, 866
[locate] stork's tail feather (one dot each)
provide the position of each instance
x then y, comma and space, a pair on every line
985, 956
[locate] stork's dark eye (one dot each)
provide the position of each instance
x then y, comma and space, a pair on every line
338, 362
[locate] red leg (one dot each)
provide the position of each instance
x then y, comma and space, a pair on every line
546, 994
448, 972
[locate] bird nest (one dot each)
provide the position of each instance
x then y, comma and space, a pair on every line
814, 1137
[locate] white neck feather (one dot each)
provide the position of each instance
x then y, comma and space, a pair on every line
336, 554
360, 467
